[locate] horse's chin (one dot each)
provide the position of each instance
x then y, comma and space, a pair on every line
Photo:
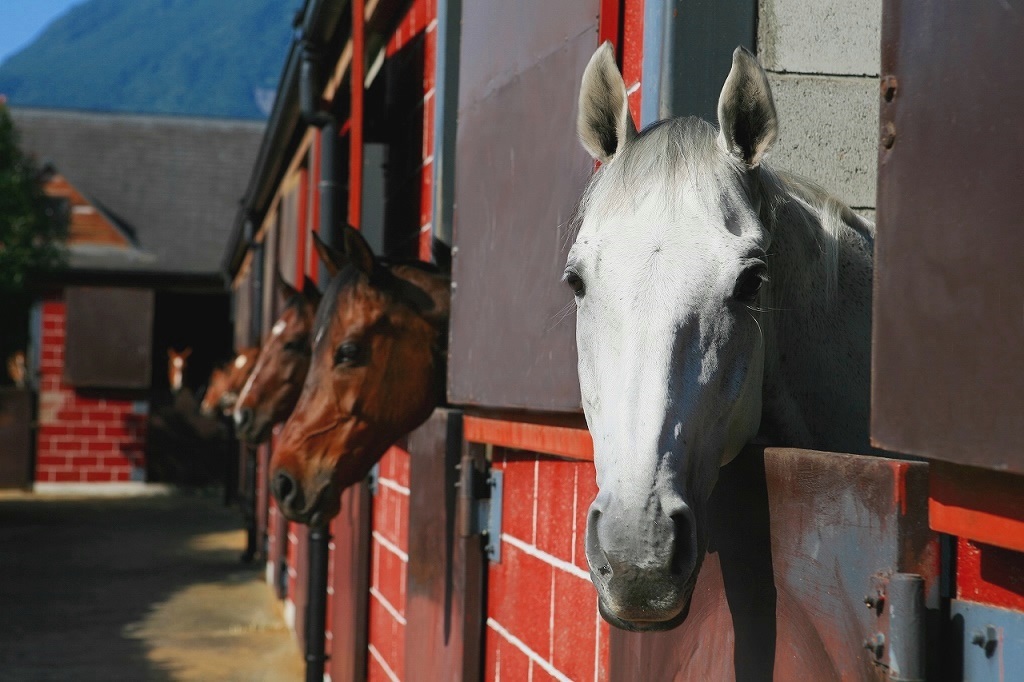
644, 625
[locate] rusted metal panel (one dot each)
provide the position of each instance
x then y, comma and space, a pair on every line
351, 582
15, 437
799, 541
519, 171
981, 505
109, 337
445, 582
948, 326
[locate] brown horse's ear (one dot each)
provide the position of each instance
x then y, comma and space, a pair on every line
332, 259
358, 250
187, 352
311, 293
287, 291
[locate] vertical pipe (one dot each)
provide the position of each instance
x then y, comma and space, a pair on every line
446, 103
250, 496
316, 606
905, 596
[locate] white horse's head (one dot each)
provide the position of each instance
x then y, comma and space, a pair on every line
667, 270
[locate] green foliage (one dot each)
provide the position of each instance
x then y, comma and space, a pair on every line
30, 237
188, 57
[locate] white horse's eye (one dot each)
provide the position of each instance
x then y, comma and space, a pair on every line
748, 284
574, 281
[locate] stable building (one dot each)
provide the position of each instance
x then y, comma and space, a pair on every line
149, 202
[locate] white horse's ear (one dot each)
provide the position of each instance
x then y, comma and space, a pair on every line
604, 124
746, 110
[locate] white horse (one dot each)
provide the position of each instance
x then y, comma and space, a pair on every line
718, 301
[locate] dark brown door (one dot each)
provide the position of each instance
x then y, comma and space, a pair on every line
519, 170
948, 377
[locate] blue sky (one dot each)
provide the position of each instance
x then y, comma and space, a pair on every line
22, 20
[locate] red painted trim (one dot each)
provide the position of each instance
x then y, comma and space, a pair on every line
301, 223
985, 506
609, 26
356, 75
562, 441
989, 575
632, 51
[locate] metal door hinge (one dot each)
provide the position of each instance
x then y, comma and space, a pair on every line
897, 641
480, 494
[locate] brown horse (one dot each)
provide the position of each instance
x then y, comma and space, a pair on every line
273, 387
176, 368
377, 372
225, 383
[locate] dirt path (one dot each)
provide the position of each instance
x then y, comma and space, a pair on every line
143, 588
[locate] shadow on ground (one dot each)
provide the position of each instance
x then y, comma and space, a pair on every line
143, 588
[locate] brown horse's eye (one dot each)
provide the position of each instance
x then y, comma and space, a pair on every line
348, 354
575, 282
749, 283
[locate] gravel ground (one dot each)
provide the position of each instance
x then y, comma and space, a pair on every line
134, 588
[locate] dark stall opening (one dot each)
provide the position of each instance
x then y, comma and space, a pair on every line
183, 447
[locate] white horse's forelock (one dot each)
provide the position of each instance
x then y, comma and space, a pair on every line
675, 157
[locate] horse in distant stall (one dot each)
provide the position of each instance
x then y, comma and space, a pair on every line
17, 369
377, 372
274, 385
176, 363
225, 383
718, 301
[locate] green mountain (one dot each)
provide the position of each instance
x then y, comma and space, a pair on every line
219, 58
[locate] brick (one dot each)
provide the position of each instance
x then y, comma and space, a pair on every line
519, 597
503, 660
387, 571
115, 430
400, 468
387, 635
51, 461
83, 461
103, 446
99, 475
426, 193
603, 649
575, 634
430, 54
518, 496
71, 414
556, 486
586, 491
67, 445
401, 520
122, 475
70, 476
90, 430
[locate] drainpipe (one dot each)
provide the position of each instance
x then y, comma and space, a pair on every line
315, 113
254, 546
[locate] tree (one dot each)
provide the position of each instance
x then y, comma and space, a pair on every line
31, 236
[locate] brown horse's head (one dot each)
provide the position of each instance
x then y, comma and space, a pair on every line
176, 367
273, 388
225, 383
377, 372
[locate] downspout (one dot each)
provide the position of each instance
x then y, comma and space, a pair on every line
315, 112
255, 543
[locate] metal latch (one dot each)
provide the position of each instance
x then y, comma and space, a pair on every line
480, 499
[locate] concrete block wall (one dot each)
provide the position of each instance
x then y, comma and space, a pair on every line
822, 60
83, 437
542, 617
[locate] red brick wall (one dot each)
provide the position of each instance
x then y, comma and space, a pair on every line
83, 438
542, 620
389, 546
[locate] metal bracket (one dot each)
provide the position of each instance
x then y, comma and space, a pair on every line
897, 642
489, 516
480, 496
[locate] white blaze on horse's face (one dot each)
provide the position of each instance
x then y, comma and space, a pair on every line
667, 270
